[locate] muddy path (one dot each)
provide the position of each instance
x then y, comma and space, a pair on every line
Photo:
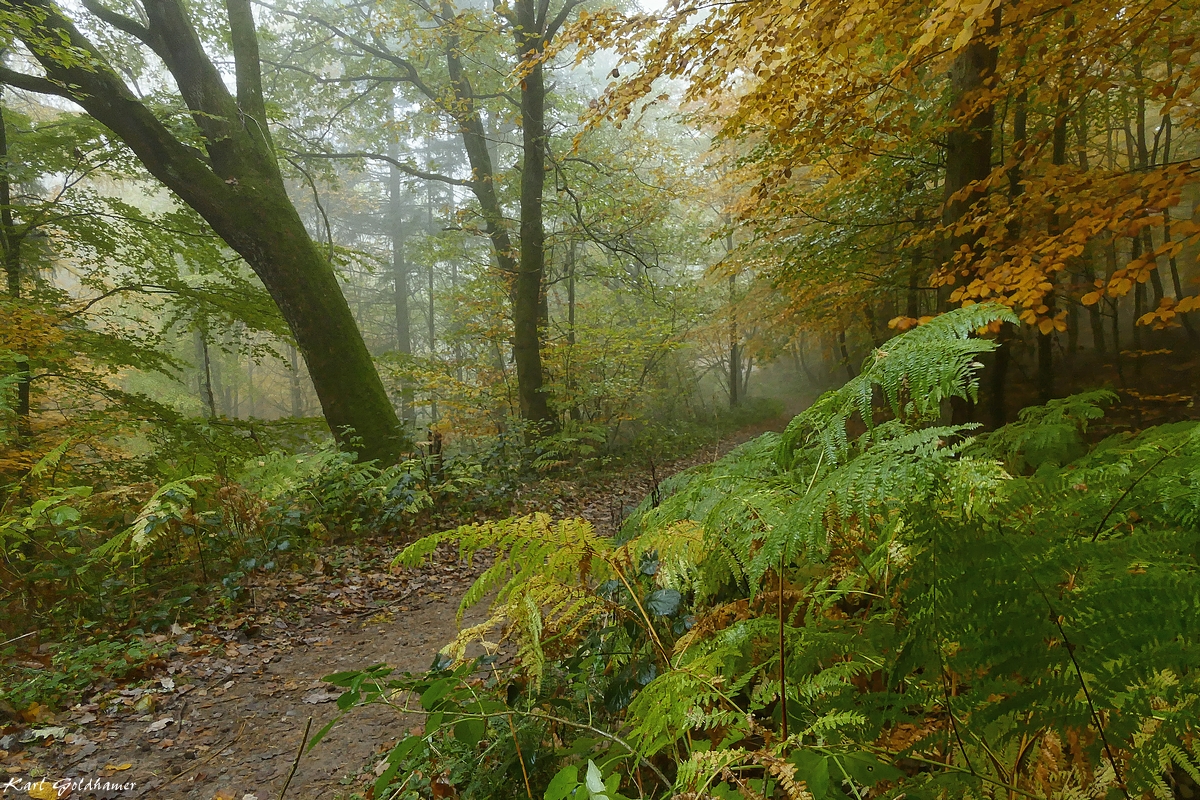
224, 717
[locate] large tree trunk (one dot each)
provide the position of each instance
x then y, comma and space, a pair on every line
969, 142
525, 268
527, 288
236, 186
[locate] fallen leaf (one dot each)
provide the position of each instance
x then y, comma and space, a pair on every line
43, 790
321, 697
118, 767
158, 725
56, 732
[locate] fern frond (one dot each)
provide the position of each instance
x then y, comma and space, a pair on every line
915, 373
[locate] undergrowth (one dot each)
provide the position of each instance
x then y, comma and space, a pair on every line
918, 611
95, 555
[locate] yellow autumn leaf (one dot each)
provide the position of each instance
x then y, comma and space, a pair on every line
1090, 299
43, 790
964, 36
1187, 304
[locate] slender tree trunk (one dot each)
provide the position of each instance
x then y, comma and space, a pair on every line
1045, 351
572, 391
845, 352
297, 395
1176, 284
526, 268
236, 186
1111, 256
735, 361
913, 305
11, 240
1006, 336
400, 269
430, 315
207, 396
1145, 162
251, 395
799, 349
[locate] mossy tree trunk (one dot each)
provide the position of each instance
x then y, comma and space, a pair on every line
234, 184
12, 237
527, 286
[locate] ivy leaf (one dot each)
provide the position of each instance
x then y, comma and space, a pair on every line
664, 602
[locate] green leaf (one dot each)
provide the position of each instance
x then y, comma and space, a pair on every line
470, 731
564, 782
321, 733
869, 770
813, 769
431, 696
595, 782
664, 602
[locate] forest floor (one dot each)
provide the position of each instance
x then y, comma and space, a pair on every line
223, 716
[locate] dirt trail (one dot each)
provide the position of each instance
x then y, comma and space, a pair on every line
225, 717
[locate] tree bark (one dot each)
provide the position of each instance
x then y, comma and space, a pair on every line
400, 269
969, 142
204, 376
572, 387
735, 365
11, 240
294, 383
527, 287
235, 185
845, 352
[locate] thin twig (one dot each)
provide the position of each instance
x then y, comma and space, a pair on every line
956, 768
520, 758
296, 760
216, 751
17, 639
1121, 499
783, 709
1087, 694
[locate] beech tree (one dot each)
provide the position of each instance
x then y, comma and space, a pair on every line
453, 63
224, 166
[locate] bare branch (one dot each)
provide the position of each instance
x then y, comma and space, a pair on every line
406, 168
561, 18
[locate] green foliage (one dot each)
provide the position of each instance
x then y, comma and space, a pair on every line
1050, 434
141, 555
74, 667
946, 616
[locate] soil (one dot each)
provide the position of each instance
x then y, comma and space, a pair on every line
224, 717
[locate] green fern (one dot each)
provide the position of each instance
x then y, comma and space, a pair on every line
978, 606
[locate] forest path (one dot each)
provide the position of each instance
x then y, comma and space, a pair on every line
225, 718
